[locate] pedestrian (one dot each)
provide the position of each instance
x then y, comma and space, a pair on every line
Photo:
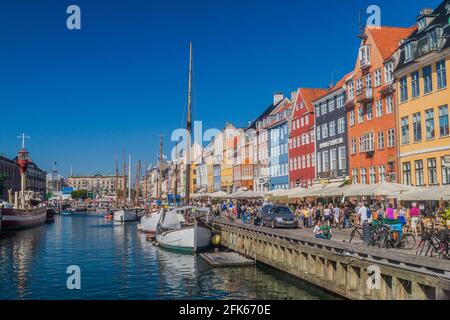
414, 213
336, 214
390, 215
362, 214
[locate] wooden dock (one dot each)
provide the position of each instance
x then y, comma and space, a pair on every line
226, 259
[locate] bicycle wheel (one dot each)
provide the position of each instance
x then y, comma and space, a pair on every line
442, 249
408, 241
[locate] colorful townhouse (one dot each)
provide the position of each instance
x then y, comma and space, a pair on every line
301, 153
371, 107
331, 133
278, 134
243, 159
423, 100
261, 171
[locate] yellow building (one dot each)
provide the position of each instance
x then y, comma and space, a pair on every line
423, 99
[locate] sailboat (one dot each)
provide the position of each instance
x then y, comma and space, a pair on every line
125, 214
181, 229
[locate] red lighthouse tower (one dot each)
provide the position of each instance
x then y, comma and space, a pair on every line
23, 160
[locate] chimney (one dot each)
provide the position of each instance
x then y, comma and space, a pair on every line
426, 11
294, 95
277, 97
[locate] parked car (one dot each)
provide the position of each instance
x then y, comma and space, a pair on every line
278, 216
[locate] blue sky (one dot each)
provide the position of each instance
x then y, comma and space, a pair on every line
84, 96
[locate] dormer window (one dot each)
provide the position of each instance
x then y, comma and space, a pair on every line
408, 52
364, 56
422, 23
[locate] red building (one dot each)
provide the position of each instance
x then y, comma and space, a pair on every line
302, 168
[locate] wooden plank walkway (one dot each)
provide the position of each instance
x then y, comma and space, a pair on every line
226, 259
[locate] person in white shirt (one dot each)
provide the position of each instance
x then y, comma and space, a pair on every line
362, 214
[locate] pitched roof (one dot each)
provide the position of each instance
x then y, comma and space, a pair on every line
268, 111
310, 95
387, 39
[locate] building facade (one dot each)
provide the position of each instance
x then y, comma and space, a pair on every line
371, 107
302, 163
331, 133
100, 184
278, 134
423, 101
9, 175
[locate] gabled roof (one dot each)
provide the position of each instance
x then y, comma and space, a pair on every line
310, 95
338, 85
387, 39
268, 111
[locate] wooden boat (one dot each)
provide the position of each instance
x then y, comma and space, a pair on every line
149, 222
125, 215
17, 219
181, 230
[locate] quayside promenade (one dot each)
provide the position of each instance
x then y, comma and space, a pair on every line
353, 271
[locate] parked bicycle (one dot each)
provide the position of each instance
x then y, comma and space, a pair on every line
434, 243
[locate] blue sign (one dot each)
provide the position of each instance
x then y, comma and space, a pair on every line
67, 190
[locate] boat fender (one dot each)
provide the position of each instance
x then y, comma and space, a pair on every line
216, 240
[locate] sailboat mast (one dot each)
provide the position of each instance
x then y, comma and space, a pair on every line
160, 169
129, 179
138, 181
124, 187
117, 183
188, 129
176, 174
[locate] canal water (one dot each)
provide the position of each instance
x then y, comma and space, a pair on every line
116, 262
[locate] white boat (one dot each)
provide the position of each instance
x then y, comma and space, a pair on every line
125, 215
149, 223
175, 233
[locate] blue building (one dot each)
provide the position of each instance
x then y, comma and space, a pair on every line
278, 133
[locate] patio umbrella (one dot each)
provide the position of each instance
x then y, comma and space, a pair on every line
296, 193
389, 189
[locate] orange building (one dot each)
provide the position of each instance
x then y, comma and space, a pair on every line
370, 106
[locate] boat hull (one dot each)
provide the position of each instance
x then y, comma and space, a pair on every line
125, 215
150, 223
188, 240
14, 219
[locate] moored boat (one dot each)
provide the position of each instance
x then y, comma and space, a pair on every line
125, 215
182, 230
149, 222
16, 219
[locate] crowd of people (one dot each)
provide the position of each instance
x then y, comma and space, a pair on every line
322, 217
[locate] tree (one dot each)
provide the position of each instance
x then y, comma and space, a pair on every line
2, 182
79, 194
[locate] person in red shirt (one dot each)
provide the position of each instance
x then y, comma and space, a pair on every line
414, 213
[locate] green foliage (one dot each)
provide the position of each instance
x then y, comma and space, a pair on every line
80, 194
446, 214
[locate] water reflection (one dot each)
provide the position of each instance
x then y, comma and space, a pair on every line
118, 263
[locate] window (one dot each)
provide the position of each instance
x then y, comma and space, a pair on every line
295, 143
326, 163
391, 138
389, 72
331, 105
318, 135
445, 163
324, 131
363, 176
302, 123
313, 159
427, 80
405, 130
352, 117
308, 161
366, 142
403, 89
429, 123
369, 111
443, 121
408, 52
303, 162
342, 158
441, 74
333, 159
415, 84
341, 125
381, 173
319, 162
364, 56
351, 90
332, 128
372, 175
380, 140
420, 181
355, 176
353, 146
307, 120
377, 77
317, 112
323, 108
378, 109
407, 173
432, 172
360, 115
340, 100
389, 105
359, 85
417, 127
